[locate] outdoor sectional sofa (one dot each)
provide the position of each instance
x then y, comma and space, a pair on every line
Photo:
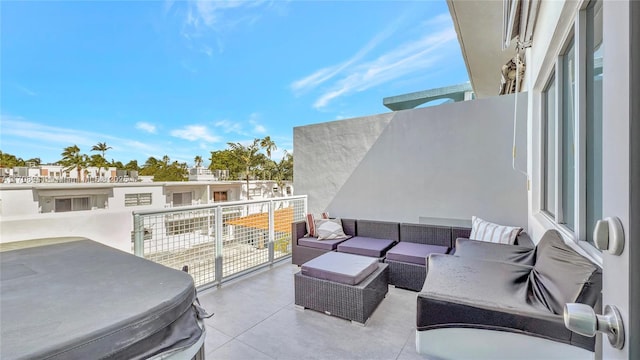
488, 290
405, 251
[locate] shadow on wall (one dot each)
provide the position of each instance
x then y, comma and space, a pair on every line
447, 161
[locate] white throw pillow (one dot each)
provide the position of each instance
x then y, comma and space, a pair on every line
487, 231
330, 229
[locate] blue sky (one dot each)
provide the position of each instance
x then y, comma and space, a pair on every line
183, 78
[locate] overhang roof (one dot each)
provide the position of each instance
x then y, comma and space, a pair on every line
479, 28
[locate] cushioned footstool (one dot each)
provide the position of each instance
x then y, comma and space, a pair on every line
408, 263
343, 285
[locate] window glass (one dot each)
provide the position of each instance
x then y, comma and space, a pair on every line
219, 196
182, 199
568, 137
549, 99
594, 117
63, 205
80, 204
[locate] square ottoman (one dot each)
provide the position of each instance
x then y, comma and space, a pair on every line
343, 285
408, 263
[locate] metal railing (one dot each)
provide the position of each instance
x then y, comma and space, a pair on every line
220, 241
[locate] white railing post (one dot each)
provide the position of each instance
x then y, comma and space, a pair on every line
218, 247
138, 231
271, 232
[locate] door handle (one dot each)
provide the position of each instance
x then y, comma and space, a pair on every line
582, 319
608, 235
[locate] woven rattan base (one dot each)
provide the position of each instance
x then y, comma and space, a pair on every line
352, 302
406, 275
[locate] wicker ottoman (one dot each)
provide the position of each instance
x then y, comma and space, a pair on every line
342, 285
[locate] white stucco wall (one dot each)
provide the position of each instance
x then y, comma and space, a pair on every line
112, 228
447, 161
18, 201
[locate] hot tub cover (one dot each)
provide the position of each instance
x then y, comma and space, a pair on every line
82, 299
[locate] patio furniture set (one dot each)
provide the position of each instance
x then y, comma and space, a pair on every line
389, 253
517, 288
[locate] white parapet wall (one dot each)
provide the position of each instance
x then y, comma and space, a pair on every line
448, 161
112, 228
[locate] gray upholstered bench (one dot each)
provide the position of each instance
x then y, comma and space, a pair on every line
343, 285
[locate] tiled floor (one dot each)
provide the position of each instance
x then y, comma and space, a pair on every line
255, 318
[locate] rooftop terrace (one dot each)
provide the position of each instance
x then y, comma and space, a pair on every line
255, 318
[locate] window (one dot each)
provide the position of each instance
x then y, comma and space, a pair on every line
219, 196
182, 198
137, 199
571, 128
72, 204
549, 122
255, 192
594, 117
568, 153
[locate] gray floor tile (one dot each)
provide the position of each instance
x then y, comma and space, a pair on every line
215, 339
236, 350
256, 318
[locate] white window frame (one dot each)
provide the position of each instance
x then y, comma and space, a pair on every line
578, 34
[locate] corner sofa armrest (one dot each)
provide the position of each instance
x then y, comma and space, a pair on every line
298, 230
483, 250
349, 226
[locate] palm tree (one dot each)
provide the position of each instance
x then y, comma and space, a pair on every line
268, 145
198, 160
102, 147
247, 156
73, 159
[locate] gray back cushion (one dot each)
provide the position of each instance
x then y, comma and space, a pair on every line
561, 275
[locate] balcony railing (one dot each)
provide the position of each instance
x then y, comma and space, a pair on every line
218, 242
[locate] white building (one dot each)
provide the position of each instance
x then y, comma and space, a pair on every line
103, 211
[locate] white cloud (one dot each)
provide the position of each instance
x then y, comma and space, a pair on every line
145, 126
26, 90
211, 13
405, 59
254, 121
207, 50
194, 133
325, 74
51, 140
229, 126
358, 73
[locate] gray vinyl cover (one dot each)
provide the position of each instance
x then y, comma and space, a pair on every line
84, 300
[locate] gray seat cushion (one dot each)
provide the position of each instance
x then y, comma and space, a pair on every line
414, 253
319, 244
366, 246
341, 268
